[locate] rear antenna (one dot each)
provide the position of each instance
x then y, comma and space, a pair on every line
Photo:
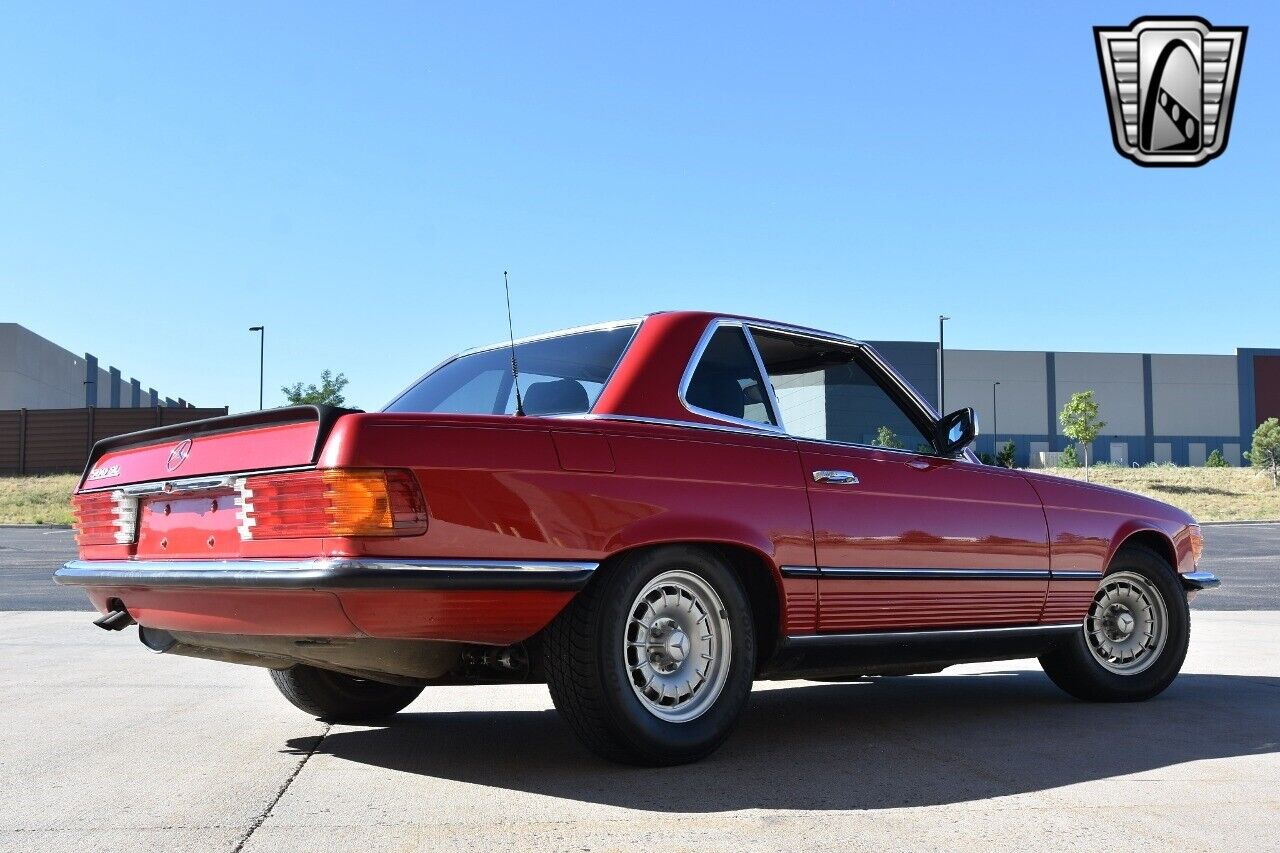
511, 335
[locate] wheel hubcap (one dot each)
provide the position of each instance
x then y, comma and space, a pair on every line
1127, 625
677, 646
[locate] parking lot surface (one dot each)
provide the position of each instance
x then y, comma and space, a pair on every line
109, 746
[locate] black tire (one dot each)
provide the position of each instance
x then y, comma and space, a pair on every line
338, 698
1073, 667
589, 678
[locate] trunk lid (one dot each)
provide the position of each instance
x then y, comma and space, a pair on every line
254, 441
170, 493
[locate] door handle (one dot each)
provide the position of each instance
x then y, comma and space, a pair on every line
840, 478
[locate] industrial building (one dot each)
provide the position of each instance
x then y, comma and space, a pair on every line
1157, 407
38, 374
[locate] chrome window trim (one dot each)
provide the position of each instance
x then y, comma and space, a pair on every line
764, 378
645, 419
696, 358
637, 322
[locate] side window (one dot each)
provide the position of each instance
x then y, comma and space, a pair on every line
478, 393
825, 393
727, 381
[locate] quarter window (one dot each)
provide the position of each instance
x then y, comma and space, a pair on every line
727, 381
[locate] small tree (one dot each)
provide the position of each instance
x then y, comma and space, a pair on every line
1266, 448
886, 437
1080, 422
1216, 460
1004, 458
1067, 458
329, 391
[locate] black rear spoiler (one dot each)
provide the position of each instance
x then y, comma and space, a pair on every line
325, 417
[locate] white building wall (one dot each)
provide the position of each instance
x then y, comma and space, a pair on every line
1115, 379
36, 373
1021, 398
1195, 395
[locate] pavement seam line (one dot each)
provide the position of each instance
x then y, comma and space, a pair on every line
266, 812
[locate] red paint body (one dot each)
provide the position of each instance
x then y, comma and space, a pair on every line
590, 489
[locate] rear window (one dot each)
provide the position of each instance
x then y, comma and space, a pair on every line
563, 375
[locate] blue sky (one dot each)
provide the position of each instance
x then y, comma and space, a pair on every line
357, 176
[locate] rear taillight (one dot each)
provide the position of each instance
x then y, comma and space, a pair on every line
105, 518
331, 502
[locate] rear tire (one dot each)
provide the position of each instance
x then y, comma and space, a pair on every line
1134, 638
338, 698
652, 663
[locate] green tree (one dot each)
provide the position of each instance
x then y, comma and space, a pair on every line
1067, 459
1004, 457
1080, 422
329, 391
886, 437
1216, 460
1266, 448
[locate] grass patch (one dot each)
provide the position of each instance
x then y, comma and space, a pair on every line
1209, 494
37, 500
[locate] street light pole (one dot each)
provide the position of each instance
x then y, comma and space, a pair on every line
942, 367
262, 354
995, 419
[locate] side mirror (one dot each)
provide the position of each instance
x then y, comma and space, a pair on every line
955, 432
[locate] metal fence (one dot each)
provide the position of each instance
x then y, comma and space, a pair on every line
58, 441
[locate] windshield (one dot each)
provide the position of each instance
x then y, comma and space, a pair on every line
563, 375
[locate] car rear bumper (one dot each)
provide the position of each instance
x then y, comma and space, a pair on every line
331, 573
468, 601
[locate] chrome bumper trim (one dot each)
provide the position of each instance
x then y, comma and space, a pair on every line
330, 573
1200, 580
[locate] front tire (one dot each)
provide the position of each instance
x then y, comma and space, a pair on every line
652, 663
1135, 636
338, 698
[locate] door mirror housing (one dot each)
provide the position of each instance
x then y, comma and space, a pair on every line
955, 432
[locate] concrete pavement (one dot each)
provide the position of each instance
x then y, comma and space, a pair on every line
106, 745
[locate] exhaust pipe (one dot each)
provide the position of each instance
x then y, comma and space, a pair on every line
116, 620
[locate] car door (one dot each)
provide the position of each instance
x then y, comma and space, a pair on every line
904, 539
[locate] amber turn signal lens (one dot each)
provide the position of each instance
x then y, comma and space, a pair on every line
332, 502
1197, 544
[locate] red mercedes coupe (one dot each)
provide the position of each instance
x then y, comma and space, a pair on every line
647, 515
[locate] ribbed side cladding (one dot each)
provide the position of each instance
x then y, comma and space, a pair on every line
1068, 600
890, 605
802, 605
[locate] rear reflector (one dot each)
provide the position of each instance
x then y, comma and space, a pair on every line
105, 518
331, 502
